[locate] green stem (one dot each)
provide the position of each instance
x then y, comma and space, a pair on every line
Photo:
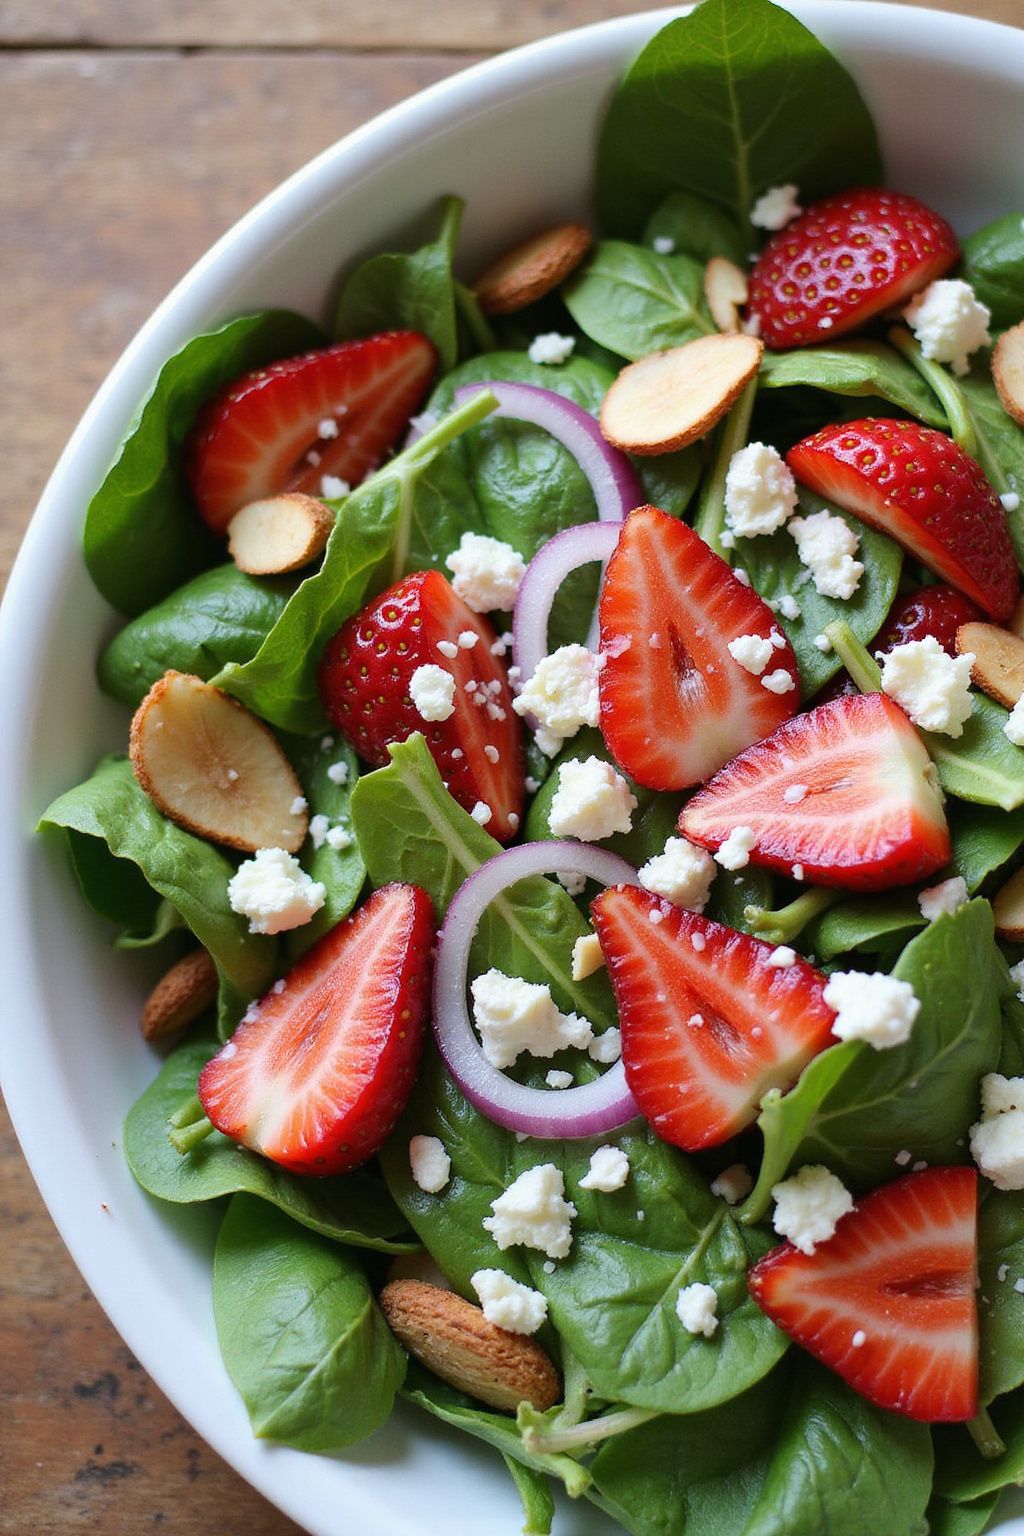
446, 431
855, 657
580, 1438
476, 321
985, 1436
575, 1391
710, 519
187, 1113
950, 395
787, 923
190, 1135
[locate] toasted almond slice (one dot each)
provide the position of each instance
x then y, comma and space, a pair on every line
998, 668
283, 533
725, 288
673, 398
1008, 371
212, 767
1008, 908
453, 1338
418, 1266
182, 995
530, 270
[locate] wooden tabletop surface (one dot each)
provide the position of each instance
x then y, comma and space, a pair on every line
133, 133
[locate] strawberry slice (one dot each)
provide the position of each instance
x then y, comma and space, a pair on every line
708, 1023
846, 259
675, 704
316, 1075
366, 678
938, 611
334, 412
888, 1301
845, 794
918, 486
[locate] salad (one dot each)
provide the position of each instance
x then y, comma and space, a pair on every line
575, 782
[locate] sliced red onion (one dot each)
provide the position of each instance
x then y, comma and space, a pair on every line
545, 573
590, 1110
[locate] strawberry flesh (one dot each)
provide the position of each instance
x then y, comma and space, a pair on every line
316, 1075
937, 611
888, 1302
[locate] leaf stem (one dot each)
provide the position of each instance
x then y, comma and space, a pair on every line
786, 923
855, 657
577, 1439
950, 395
476, 321
187, 1113
420, 453
986, 1437
575, 1391
189, 1136
709, 521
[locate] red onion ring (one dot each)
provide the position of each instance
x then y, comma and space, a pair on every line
545, 573
571, 1113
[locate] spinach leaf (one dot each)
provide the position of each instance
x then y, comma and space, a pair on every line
720, 103
1011, 1057
1000, 1306
353, 1208
113, 887
946, 1519
166, 920
1000, 442
696, 228
670, 479
982, 765
535, 1495
868, 923
143, 536
960, 1471
190, 873
634, 302
994, 266
340, 870
984, 839
302, 1337
220, 616
415, 292
854, 368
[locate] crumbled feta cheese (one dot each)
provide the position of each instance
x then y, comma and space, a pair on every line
823, 644
515, 1016
947, 897
551, 348
776, 207
481, 813
430, 1164
571, 881
319, 826
327, 428
1001, 1095
788, 606
697, 1308
449, 650
1017, 977
997, 1141
606, 1048
586, 956
561, 695
794, 793
274, 892
432, 691
1010, 501
655, 916
753, 652
826, 545
558, 1079
933, 688
486, 573
859, 1339
338, 772
733, 1184
664, 245
339, 838
333, 489
608, 1171
298, 805
902, 1158
782, 957
760, 492
779, 681
797, 872
872, 1006
326, 743
533, 1211
467, 639
949, 322
682, 873
735, 851
727, 539
591, 802
1014, 725
809, 1206
698, 941
507, 1303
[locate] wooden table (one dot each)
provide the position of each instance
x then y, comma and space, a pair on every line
133, 133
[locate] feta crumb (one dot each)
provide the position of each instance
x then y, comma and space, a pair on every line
1010, 501
741, 575
333, 489
789, 607
586, 956
571, 881
1017, 977
826, 545
298, 805
339, 838
682, 873
779, 681
997, 1140
338, 772
933, 688
1014, 725
486, 573
1001, 1095
735, 851
558, 1079
872, 1006
606, 1048
449, 650
326, 743
776, 207
430, 1164
562, 695
432, 691
327, 428
733, 1184
274, 892
551, 347
664, 245
481, 813
859, 1339
949, 897
753, 652
797, 872
698, 942
655, 915
809, 1206
591, 802
319, 826
760, 492
533, 1212
782, 957
507, 1303
608, 1171
949, 322
697, 1308
902, 1158
823, 643
794, 793
513, 1016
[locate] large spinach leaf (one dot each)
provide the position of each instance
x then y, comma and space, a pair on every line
1000, 1306
113, 887
982, 765
725, 102
999, 442
341, 871
302, 1337
696, 228
961, 1473
535, 1495
854, 368
984, 839
143, 536
947, 1519
869, 923
633, 301
994, 266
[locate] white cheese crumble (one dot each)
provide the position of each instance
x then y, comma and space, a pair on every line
753, 652
776, 207
1014, 725
467, 639
558, 1079
1017, 977
872, 1006
481, 813
432, 691
333, 489
760, 492
608, 1171
782, 957
591, 802
997, 1141
788, 606
513, 1016
298, 805
664, 245
697, 1308
551, 347
949, 322
733, 1184
562, 695
338, 772
682, 873
339, 838
571, 881
430, 1164
606, 1048
949, 897
319, 826
486, 573
327, 428
533, 1211
1010, 501
779, 681
586, 956
809, 1206
794, 793
823, 644
826, 545
274, 892
735, 851
507, 1303
933, 688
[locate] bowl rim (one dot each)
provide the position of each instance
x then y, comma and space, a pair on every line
534, 66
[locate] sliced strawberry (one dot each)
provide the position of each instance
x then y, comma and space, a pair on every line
708, 1024
675, 705
888, 1301
918, 486
268, 431
863, 810
938, 611
365, 679
846, 259
316, 1075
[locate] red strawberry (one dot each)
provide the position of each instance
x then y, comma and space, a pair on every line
863, 809
846, 259
888, 1302
708, 1024
938, 611
365, 678
675, 705
316, 1075
262, 434
916, 485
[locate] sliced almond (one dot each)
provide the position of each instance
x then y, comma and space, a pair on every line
283, 533
1008, 908
212, 767
673, 398
725, 288
530, 270
998, 668
1008, 371
178, 998
418, 1266
453, 1339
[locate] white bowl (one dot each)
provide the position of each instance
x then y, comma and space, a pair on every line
515, 137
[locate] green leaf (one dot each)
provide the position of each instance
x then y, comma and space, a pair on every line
166, 920
984, 839
302, 1338
981, 765
724, 103
1000, 442
143, 536
993, 264
218, 617
634, 302
113, 887
854, 368
946, 1519
865, 923
696, 228
961, 1473
341, 871
353, 1208
670, 479
535, 1495
1000, 1306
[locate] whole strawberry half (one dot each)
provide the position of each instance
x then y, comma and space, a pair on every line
365, 679
335, 412
937, 611
918, 486
845, 793
675, 704
317, 1073
845, 260
709, 1025
888, 1302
